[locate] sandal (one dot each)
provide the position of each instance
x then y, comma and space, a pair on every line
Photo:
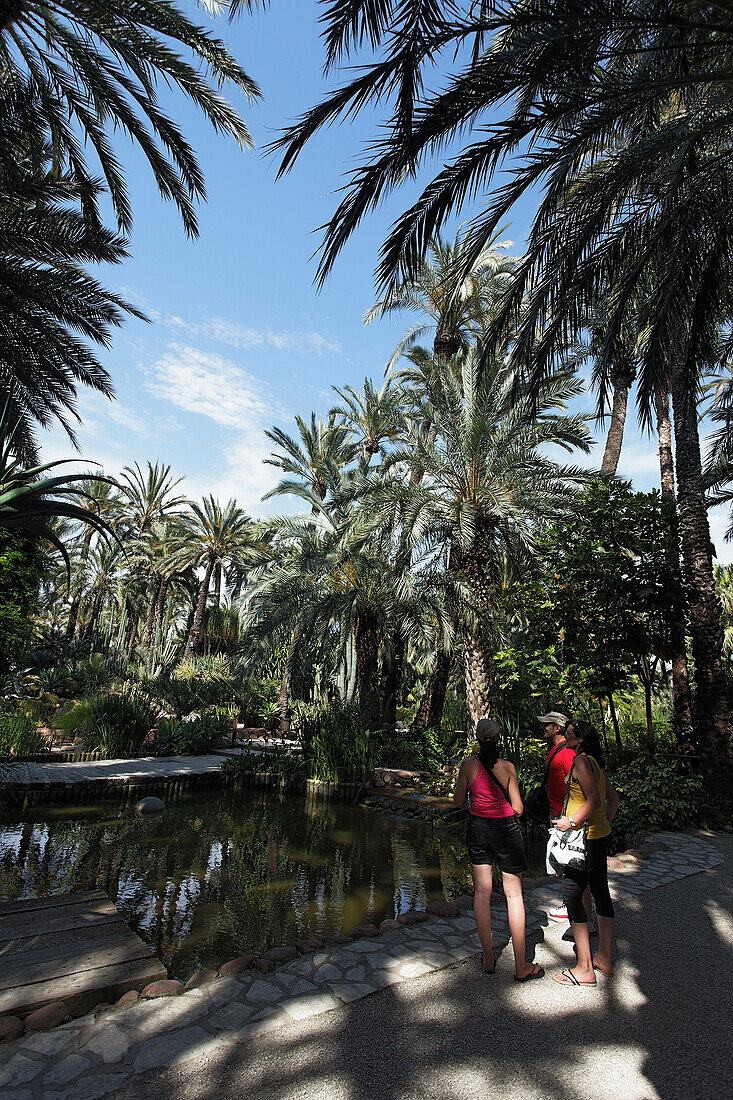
566, 977
535, 973
493, 969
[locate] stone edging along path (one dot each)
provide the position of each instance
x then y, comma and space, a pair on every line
89, 1057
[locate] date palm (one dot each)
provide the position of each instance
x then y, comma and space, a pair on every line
51, 307
209, 535
487, 483
374, 416
314, 462
95, 69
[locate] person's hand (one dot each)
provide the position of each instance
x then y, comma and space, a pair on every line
562, 823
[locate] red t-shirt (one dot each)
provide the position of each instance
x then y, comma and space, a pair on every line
557, 777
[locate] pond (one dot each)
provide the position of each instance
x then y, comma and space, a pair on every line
222, 874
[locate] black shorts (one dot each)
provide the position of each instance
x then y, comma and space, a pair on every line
496, 838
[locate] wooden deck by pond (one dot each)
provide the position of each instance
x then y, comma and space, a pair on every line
71, 947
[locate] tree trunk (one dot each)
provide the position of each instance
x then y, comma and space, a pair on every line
194, 636
614, 720
436, 686
603, 723
217, 584
286, 681
73, 617
712, 718
615, 437
150, 620
165, 583
646, 671
476, 667
681, 713
367, 670
393, 679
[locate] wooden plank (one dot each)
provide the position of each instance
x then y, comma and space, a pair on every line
53, 901
77, 919
57, 939
35, 920
43, 965
82, 992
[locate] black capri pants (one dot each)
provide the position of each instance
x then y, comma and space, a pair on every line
595, 875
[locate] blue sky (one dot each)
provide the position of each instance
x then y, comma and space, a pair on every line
240, 339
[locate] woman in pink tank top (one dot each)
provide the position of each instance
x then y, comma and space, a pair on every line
494, 835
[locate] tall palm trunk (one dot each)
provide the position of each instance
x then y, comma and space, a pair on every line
76, 601
392, 679
150, 618
681, 715
197, 625
622, 376
367, 670
429, 714
711, 713
476, 656
287, 678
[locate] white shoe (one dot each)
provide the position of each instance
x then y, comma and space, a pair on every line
559, 914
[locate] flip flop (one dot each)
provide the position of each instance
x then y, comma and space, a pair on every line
566, 977
539, 973
493, 969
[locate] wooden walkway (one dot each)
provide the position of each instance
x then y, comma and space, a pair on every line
72, 947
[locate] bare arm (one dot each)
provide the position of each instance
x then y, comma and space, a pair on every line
513, 790
586, 778
612, 800
459, 791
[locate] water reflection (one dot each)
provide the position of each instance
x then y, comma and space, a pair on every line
222, 874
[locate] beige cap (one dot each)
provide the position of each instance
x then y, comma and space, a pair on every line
554, 717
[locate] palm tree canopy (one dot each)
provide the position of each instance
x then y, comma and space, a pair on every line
94, 69
315, 462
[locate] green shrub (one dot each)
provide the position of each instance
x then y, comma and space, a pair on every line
277, 760
193, 735
335, 747
656, 794
116, 723
19, 734
426, 751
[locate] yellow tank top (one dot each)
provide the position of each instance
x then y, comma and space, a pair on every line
598, 825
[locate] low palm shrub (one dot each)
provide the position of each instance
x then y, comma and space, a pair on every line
174, 736
117, 723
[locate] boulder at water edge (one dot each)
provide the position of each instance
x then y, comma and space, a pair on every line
150, 805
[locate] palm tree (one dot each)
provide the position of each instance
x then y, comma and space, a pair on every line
620, 115
373, 415
93, 69
101, 498
209, 534
486, 484
50, 305
315, 463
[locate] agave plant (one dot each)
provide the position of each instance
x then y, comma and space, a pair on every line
31, 497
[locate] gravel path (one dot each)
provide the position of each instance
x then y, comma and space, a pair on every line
659, 1030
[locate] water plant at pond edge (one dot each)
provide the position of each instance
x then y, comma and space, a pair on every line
116, 722
335, 745
19, 734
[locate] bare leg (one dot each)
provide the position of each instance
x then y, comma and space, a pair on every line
603, 956
515, 907
483, 882
583, 970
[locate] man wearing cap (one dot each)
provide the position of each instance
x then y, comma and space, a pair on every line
558, 762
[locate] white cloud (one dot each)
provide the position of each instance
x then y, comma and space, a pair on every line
239, 336
210, 385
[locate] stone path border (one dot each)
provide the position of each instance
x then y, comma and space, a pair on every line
91, 1057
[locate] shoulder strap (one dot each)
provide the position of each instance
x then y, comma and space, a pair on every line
567, 788
498, 784
547, 765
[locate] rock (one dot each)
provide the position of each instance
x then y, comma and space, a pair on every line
390, 926
265, 965
337, 939
236, 966
281, 954
363, 931
150, 805
11, 1028
306, 946
199, 978
103, 1006
465, 901
168, 987
412, 916
728, 828
444, 909
130, 998
43, 1019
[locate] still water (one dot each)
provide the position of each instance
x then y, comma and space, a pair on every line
228, 873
